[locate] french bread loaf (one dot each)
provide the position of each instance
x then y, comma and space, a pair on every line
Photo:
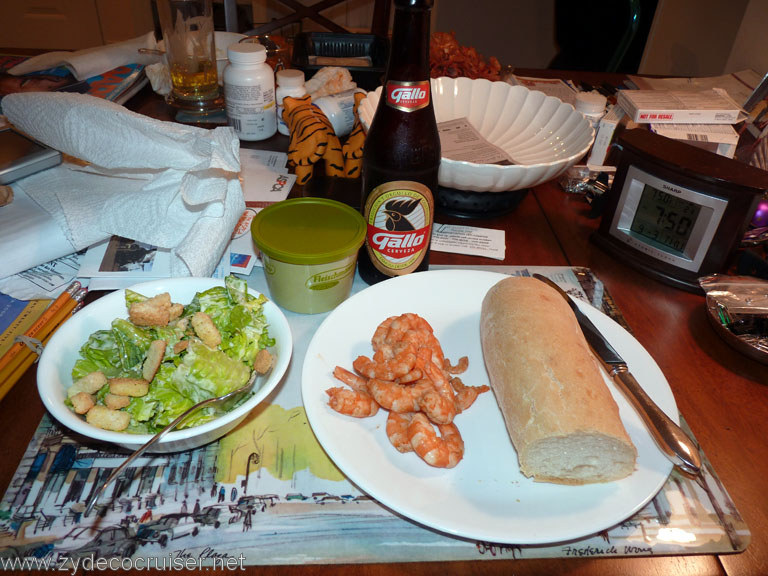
560, 415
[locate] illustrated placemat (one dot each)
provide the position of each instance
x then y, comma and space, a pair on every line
266, 494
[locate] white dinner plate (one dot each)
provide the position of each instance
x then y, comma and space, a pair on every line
485, 497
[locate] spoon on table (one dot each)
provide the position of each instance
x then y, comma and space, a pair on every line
247, 387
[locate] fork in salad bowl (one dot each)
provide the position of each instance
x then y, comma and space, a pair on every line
234, 394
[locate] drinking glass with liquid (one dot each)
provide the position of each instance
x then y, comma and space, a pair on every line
190, 52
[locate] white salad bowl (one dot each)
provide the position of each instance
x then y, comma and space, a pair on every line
55, 366
542, 134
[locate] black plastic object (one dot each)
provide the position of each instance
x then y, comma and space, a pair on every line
334, 45
468, 204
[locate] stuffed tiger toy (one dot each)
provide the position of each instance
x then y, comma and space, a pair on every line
312, 138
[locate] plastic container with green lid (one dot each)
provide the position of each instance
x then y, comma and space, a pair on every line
309, 248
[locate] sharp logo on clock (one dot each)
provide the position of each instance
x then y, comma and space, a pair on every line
280, 183
669, 188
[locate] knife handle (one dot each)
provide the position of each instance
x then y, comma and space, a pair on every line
673, 442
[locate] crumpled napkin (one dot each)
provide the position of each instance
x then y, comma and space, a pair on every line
93, 61
161, 183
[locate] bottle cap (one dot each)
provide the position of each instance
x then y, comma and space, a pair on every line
247, 53
290, 78
590, 102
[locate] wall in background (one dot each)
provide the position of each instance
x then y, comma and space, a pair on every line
520, 33
749, 49
687, 37
707, 38
71, 24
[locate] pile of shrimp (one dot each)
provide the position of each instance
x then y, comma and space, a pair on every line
410, 377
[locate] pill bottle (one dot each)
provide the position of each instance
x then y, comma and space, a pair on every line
290, 82
249, 92
592, 105
340, 110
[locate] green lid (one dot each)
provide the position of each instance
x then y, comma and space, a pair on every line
308, 230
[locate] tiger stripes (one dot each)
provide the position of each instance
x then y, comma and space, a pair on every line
311, 138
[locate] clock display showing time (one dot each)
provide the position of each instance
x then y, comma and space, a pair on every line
664, 218
674, 211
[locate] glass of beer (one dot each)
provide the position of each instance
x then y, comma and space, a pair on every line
190, 53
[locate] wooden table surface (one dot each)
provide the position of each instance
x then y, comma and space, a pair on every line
721, 393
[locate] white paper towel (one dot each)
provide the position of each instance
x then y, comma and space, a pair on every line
93, 61
162, 183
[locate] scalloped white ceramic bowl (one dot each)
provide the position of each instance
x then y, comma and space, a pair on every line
542, 134
55, 367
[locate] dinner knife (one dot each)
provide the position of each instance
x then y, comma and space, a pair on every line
674, 443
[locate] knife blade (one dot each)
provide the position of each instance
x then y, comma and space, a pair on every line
673, 442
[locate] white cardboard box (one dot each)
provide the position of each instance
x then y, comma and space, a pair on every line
718, 138
712, 106
605, 131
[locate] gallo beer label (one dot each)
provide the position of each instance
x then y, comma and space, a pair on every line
408, 96
399, 218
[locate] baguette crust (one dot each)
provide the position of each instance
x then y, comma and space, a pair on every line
559, 413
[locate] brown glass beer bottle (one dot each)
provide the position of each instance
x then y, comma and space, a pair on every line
401, 155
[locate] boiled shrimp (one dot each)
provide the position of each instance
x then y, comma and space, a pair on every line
407, 323
407, 331
460, 367
398, 397
379, 338
352, 402
438, 408
444, 451
465, 395
412, 376
397, 431
434, 372
391, 369
351, 379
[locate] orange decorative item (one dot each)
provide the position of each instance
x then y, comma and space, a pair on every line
449, 58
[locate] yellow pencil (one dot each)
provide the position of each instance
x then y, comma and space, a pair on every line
29, 358
42, 334
41, 322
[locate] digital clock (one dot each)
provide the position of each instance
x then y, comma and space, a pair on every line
665, 219
675, 211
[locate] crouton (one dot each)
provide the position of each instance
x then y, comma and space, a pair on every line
153, 360
180, 346
206, 330
134, 387
82, 402
182, 324
263, 361
108, 419
90, 383
115, 401
176, 310
155, 311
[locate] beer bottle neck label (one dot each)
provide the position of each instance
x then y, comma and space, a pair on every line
399, 218
407, 96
